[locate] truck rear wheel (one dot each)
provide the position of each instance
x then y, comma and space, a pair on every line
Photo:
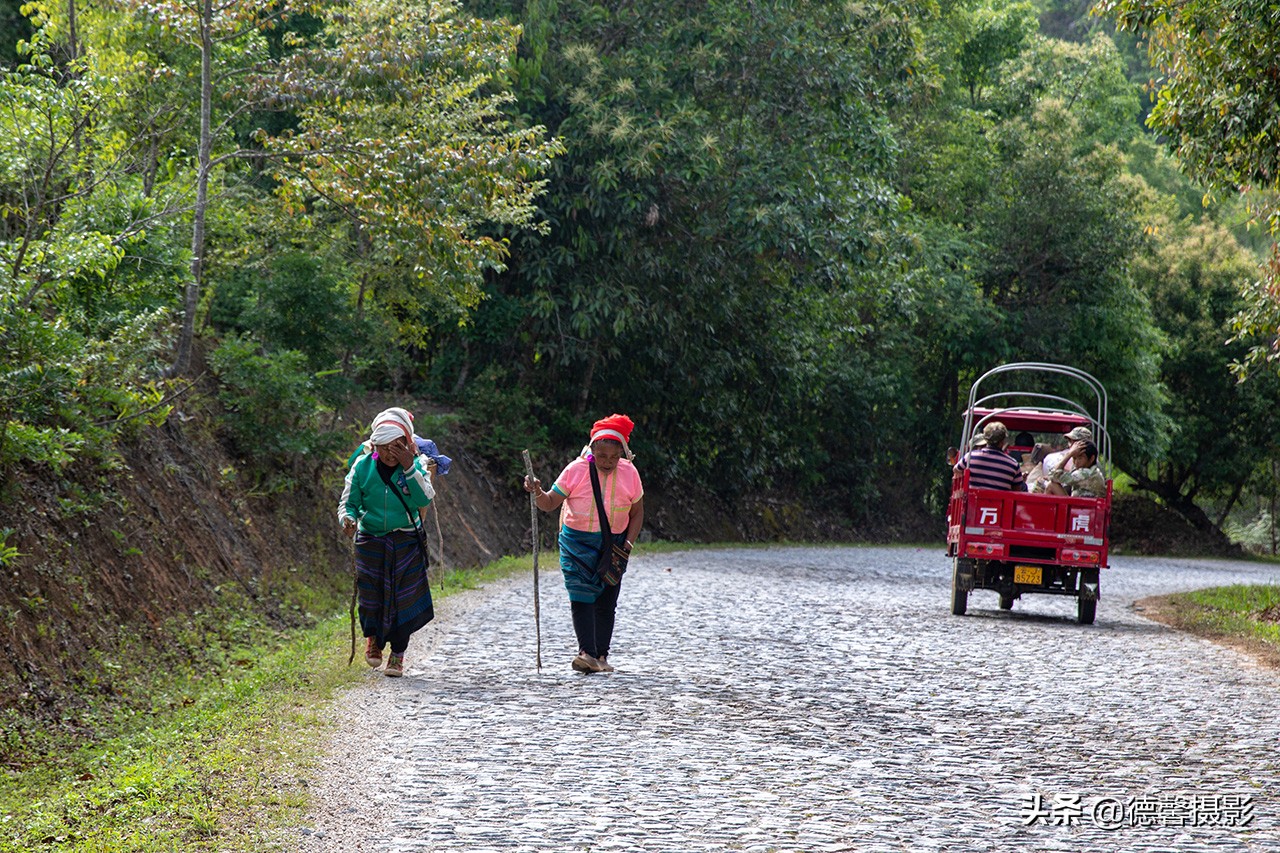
1086, 610
959, 593
1006, 601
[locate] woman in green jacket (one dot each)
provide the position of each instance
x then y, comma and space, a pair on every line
381, 496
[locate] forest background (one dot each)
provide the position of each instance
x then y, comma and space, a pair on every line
783, 236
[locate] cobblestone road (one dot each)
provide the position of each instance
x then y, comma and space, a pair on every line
816, 699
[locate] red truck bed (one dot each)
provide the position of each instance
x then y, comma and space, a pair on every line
986, 524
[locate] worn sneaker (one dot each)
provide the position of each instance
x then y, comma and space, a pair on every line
372, 654
586, 663
604, 664
395, 666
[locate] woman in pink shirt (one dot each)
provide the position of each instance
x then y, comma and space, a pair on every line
585, 543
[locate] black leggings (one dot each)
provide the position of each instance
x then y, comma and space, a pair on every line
593, 622
398, 640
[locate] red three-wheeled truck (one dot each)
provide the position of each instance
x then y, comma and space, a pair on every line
1020, 542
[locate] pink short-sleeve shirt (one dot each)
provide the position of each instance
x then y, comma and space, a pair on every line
620, 489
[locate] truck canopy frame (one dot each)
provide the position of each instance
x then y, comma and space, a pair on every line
1039, 410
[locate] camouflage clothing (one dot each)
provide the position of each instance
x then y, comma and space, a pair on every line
1081, 482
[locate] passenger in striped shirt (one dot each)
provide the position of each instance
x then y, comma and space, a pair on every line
989, 466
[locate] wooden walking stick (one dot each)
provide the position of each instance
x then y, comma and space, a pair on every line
422, 515
435, 512
444, 567
537, 546
355, 595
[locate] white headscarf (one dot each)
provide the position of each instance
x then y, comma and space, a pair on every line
390, 425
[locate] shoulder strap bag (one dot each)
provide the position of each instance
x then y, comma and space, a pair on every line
393, 483
612, 563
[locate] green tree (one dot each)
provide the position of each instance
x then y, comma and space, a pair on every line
721, 217
74, 351
14, 27
228, 37
1059, 230
1217, 99
996, 34
1192, 277
142, 139
1087, 78
401, 143
292, 300
1030, 225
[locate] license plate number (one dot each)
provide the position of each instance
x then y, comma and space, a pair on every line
1027, 574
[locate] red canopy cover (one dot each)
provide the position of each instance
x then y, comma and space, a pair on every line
1033, 420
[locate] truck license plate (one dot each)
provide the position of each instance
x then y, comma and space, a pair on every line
1027, 575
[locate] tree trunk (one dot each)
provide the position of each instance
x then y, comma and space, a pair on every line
152, 167
584, 391
1181, 504
4, 439
191, 302
363, 247
1231, 502
82, 120
73, 34
1275, 479
465, 371
349, 352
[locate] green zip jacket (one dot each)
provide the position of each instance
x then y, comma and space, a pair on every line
366, 498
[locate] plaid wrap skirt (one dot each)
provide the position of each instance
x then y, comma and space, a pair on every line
391, 575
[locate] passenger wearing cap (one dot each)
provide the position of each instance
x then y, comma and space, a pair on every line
1084, 479
381, 496
988, 465
593, 601
1064, 458
976, 440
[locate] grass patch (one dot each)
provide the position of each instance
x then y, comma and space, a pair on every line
189, 752
1248, 610
1243, 616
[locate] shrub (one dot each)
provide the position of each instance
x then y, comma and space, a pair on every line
506, 415
270, 409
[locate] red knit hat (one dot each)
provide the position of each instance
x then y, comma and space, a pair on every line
616, 427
